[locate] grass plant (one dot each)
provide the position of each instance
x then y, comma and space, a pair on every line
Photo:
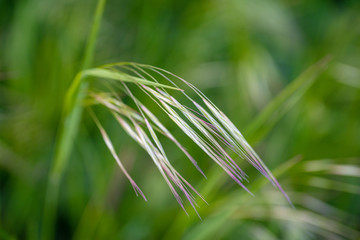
73, 136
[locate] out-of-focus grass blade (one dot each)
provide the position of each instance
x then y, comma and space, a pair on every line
283, 102
317, 205
347, 74
262, 233
225, 209
223, 214
312, 221
332, 185
326, 167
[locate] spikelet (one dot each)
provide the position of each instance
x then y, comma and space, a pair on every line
209, 128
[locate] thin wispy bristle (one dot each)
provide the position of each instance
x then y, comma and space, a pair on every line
113, 153
209, 128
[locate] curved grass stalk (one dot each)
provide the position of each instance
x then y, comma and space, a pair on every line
209, 128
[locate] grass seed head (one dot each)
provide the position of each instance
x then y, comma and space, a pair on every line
209, 128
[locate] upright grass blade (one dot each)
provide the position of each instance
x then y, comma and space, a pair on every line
283, 102
68, 129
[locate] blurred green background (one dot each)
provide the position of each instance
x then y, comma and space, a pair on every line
245, 55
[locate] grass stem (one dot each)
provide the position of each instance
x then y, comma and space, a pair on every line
69, 125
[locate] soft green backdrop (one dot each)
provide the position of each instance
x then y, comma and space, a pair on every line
245, 55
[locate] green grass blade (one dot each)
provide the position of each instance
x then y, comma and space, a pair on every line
283, 102
68, 129
119, 76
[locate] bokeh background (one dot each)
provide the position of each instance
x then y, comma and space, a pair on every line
246, 56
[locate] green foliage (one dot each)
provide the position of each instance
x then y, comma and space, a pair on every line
243, 55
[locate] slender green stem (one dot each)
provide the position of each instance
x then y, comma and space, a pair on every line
68, 129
